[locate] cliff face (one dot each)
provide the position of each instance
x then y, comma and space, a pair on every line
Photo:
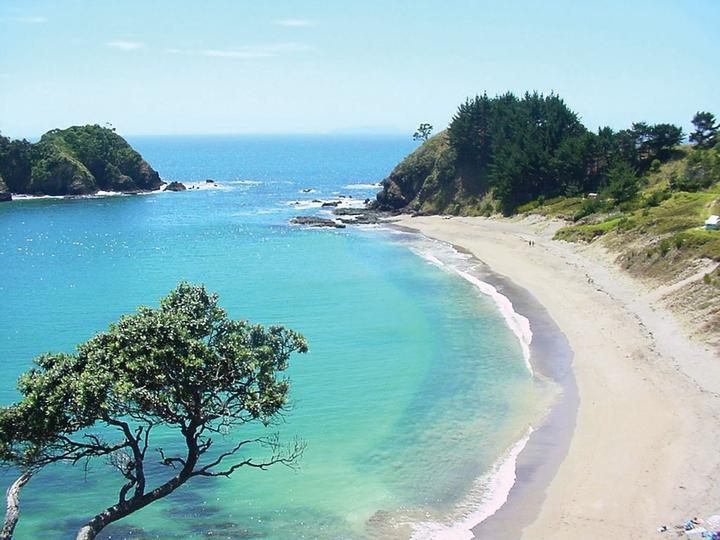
430, 181
80, 160
4, 191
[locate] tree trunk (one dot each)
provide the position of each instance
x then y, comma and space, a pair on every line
119, 511
125, 508
13, 505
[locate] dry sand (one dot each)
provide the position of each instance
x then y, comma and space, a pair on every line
645, 450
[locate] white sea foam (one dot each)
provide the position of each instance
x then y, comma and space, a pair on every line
345, 202
245, 182
363, 186
97, 195
519, 324
22, 196
304, 205
206, 185
489, 493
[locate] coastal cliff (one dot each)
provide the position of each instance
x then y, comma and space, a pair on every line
4, 191
80, 160
641, 194
427, 181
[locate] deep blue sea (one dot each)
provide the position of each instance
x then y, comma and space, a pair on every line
413, 393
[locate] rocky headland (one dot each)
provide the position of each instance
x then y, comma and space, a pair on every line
80, 160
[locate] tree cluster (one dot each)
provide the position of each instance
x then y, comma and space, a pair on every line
535, 146
702, 166
185, 366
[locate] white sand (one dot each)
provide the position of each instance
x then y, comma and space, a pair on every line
645, 451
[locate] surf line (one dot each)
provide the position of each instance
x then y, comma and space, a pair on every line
519, 324
489, 493
492, 490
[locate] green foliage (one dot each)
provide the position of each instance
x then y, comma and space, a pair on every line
16, 162
588, 207
522, 148
656, 198
423, 132
706, 130
77, 160
702, 170
184, 365
622, 182
528, 207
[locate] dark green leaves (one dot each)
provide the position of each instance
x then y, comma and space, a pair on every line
183, 364
519, 147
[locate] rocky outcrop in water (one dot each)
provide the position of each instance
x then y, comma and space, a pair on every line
314, 221
175, 186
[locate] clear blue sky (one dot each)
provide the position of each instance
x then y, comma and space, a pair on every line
317, 66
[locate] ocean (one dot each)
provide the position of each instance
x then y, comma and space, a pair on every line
413, 400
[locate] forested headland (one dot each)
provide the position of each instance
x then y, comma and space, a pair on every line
500, 154
80, 160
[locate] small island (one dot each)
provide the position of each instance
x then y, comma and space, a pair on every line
80, 160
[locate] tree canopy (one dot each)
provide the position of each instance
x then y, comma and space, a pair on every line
423, 132
706, 130
522, 149
184, 365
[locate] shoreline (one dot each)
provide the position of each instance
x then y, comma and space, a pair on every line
642, 452
548, 358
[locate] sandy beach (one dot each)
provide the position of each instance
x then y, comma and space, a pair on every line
644, 451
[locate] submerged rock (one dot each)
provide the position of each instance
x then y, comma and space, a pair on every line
314, 221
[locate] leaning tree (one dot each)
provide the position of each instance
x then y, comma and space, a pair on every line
184, 366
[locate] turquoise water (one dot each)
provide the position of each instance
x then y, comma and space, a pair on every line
414, 386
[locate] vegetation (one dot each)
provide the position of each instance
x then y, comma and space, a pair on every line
520, 149
186, 367
706, 130
657, 234
76, 161
423, 132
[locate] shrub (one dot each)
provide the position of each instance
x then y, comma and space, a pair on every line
656, 198
588, 207
664, 246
